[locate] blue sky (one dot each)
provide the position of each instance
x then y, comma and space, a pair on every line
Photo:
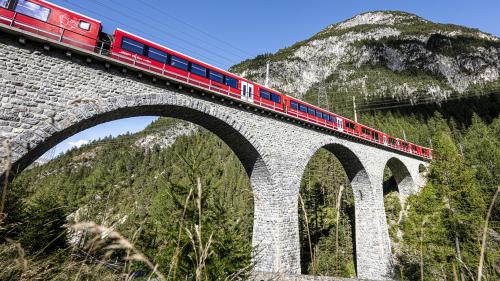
223, 32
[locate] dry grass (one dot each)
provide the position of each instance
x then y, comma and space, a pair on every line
109, 240
14, 265
311, 251
7, 168
175, 259
484, 236
201, 248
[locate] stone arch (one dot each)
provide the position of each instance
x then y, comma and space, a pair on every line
403, 177
31, 144
360, 182
362, 190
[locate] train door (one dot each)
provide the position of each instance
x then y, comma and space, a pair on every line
385, 139
339, 124
250, 92
246, 91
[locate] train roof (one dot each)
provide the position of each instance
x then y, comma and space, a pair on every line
68, 10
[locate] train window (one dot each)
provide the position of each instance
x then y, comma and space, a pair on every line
265, 94
365, 131
215, 76
198, 70
132, 46
375, 135
350, 125
179, 63
157, 55
414, 148
392, 141
4, 3
311, 111
231, 82
84, 25
319, 114
333, 119
33, 10
294, 104
302, 108
275, 97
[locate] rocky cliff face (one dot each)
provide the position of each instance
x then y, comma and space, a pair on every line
384, 54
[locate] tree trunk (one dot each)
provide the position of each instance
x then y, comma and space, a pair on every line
455, 275
459, 255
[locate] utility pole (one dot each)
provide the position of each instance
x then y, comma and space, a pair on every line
267, 73
354, 109
404, 135
323, 96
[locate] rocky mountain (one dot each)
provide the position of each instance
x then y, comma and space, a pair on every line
384, 54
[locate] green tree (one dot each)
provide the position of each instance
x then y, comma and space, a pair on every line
43, 229
444, 219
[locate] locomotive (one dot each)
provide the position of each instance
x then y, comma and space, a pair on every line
56, 23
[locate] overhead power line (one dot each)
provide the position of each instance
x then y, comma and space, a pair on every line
154, 27
152, 36
164, 13
380, 103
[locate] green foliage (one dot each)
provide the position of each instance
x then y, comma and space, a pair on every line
56, 267
449, 209
39, 235
319, 189
393, 210
445, 218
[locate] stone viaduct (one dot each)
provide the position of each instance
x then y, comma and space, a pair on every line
47, 96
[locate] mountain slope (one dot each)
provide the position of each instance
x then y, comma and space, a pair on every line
383, 54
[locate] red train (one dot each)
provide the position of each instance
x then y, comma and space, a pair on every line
63, 25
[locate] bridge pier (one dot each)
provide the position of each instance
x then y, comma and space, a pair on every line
276, 227
373, 244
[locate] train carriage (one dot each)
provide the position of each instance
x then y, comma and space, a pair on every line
141, 52
51, 21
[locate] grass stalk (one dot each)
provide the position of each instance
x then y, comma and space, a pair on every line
485, 234
118, 242
311, 252
339, 201
424, 221
7, 168
175, 258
